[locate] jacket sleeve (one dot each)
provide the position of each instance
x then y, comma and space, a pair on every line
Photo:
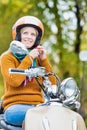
45, 63
9, 61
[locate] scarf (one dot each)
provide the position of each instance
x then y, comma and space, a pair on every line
20, 57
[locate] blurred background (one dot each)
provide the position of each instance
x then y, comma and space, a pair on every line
65, 36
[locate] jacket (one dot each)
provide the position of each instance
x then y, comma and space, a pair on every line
15, 90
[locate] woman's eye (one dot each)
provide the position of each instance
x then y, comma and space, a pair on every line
29, 34
25, 32
33, 34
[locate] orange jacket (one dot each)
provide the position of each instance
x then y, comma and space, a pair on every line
15, 91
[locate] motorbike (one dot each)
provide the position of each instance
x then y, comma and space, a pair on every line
60, 108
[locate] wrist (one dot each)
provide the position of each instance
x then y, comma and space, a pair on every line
43, 57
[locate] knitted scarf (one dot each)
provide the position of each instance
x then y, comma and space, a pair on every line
20, 57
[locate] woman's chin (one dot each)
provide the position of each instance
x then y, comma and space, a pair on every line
28, 47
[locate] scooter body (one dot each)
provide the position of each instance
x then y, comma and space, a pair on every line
53, 117
58, 110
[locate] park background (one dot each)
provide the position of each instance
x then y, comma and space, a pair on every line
65, 36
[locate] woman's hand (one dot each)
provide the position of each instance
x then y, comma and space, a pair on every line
42, 52
39, 51
34, 53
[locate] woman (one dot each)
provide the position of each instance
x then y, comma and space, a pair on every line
22, 93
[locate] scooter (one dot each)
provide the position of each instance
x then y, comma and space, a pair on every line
60, 108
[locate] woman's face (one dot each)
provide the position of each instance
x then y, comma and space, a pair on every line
28, 36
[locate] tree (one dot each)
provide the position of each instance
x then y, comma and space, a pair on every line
64, 35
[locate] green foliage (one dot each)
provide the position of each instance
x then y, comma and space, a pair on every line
10, 11
62, 35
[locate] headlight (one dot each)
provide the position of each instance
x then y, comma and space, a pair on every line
68, 89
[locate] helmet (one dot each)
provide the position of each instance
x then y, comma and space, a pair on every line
27, 21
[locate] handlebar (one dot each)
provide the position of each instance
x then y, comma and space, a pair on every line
31, 72
35, 72
47, 87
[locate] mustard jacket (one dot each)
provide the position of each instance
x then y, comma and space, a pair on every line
15, 91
